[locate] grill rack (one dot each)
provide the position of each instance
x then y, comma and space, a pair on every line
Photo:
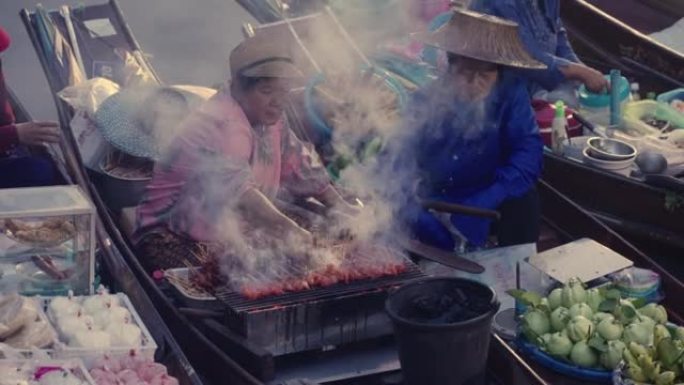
237, 303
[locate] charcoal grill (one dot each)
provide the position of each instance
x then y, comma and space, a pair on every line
318, 318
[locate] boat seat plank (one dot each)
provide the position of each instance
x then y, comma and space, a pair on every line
637, 14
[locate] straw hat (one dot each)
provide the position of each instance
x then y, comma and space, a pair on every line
120, 118
263, 55
483, 37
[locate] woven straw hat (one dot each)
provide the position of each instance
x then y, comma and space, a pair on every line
120, 118
482, 37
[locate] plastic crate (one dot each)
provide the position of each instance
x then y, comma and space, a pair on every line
30, 368
89, 356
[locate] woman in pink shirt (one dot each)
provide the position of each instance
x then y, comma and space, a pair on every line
234, 156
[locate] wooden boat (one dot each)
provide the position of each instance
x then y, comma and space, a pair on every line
118, 276
176, 337
223, 356
608, 34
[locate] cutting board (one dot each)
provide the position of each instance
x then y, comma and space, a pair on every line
584, 258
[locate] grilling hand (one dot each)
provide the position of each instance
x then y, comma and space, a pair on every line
37, 133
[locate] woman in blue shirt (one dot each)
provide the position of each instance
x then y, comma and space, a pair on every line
473, 137
544, 36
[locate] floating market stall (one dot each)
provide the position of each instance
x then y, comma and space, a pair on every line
335, 332
52, 337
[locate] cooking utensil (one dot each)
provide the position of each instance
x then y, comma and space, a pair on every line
453, 208
650, 162
440, 256
610, 149
613, 165
584, 121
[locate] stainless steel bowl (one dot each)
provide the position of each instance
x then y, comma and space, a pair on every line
610, 149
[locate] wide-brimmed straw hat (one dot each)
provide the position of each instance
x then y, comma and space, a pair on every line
120, 118
482, 37
263, 55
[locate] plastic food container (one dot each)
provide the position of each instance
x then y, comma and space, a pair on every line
147, 348
596, 107
635, 111
28, 371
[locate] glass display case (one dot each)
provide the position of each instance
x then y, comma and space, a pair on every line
47, 241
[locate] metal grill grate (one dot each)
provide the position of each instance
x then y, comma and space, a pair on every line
238, 303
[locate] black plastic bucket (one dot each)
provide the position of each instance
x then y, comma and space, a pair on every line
443, 328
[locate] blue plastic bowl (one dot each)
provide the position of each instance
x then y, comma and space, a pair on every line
312, 105
565, 368
668, 97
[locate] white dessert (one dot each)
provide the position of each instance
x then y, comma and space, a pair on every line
124, 334
59, 377
62, 306
92, 339
114, 314
96, 303
71, 325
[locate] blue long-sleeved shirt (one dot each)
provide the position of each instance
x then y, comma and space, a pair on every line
542, 33
477, 161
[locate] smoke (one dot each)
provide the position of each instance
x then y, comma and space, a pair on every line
361, 105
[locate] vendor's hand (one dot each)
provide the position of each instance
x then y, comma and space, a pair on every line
298, 234
37, 133
592, 79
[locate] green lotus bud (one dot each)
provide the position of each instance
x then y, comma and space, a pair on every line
679, 333
638, 350
559, 318
629, 357
609, 329
583, 355
655, 311
594, 299
665, 378
636, 374
638, 333
612, 357
545, 339
537, 322
555, 298
579, 328
600, 316
559, 345
573, 293
581, 309
660, 333
650, 368
544, 304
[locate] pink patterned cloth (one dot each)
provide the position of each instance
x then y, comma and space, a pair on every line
216, 158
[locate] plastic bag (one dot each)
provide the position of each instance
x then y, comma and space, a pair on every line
638, 283
91, 144
38, 334
87, 96
15, 312
135, 72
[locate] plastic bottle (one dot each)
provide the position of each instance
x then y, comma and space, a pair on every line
634, 88
559, 133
